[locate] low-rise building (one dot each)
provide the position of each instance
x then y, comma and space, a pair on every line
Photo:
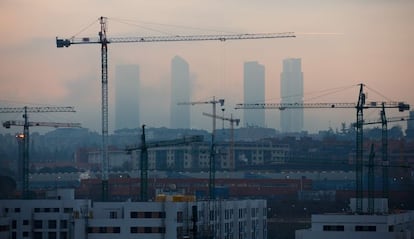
168, 217
378, 225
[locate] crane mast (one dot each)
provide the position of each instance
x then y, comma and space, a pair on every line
26, 124
103, 40
359, 106
385, 162
143, 147
231, 150
212, 163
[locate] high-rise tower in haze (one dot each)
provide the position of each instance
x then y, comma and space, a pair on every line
180, 92
127, 97
291, 91
254, 92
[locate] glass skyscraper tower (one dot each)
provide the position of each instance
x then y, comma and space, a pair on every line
291, 91
180, 92
254, 92
127, 97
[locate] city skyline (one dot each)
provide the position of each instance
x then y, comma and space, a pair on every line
338, 49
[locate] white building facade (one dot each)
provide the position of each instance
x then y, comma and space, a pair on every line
67, 218
345, 226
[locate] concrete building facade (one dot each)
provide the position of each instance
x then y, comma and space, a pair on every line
381, 224
178, 217
291, 91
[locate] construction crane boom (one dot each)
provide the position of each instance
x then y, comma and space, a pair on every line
166, 143
9, 123
283, 106
231, 150
94, 40
359, 106
389, 120
26, 124
103, 40
143, 147
37, 109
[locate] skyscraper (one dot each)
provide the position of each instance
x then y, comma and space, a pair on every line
291, 91
127, 97
180, 92
254, 91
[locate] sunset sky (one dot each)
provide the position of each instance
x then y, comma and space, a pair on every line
341, 43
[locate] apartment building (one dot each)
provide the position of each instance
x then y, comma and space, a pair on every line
173, 216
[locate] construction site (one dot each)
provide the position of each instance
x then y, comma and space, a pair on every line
235, 182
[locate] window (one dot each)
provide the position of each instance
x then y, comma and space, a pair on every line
25, 234
113, 215
365, 228
63, 235
17, 209
148, 229
14, 224
105, 230
4, 228
37, 235
25, 222
38, 224
51, 235
179, 216
63, 224
147, 214
51, 224
333, 227
68, 210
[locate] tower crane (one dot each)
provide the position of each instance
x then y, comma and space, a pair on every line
26, 124
385, 162
212, 163
359, 106
232, 121
103, 40
143, 147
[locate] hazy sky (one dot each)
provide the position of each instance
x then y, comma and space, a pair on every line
341, 43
